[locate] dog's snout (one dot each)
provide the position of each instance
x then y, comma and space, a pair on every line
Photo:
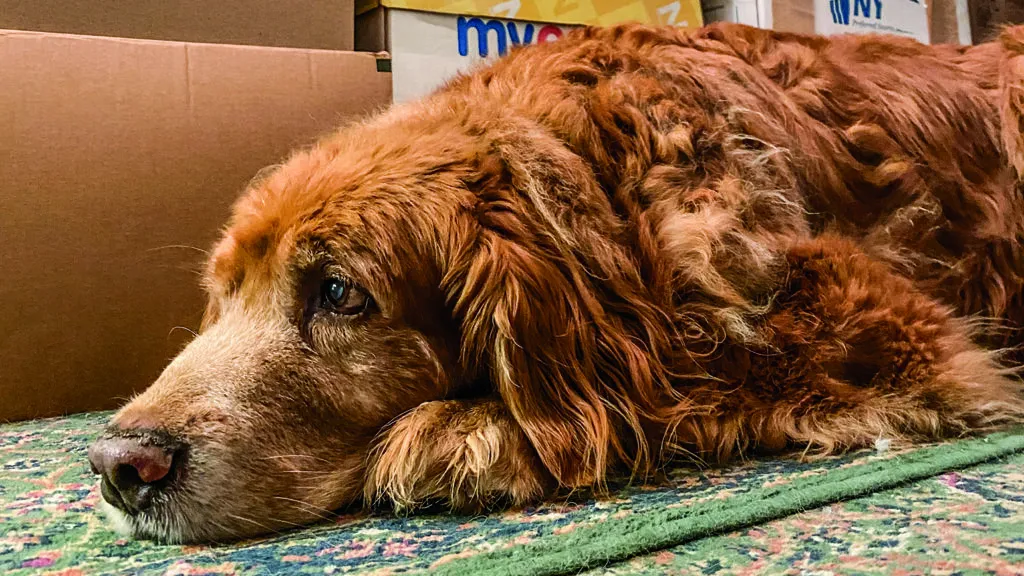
132, 468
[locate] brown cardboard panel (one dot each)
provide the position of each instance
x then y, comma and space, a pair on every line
326, 24
944, 22
364, 6
987, 16
372, 31
793, 16
118, 162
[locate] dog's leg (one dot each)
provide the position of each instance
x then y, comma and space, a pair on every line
865, 354
467, 454
852, 352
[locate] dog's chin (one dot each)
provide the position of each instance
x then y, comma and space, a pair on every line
145, 526
165, 525
119, 521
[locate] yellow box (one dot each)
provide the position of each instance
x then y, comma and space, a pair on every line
682, 13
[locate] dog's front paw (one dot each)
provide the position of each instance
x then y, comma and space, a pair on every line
463, 454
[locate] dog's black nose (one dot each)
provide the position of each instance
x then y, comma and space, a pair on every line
132, 469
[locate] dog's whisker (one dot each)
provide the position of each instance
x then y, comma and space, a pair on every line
322, 513
186, 329
286, 522
254, 522
179, 247
295, 456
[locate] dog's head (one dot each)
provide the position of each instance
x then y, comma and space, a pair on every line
404, 260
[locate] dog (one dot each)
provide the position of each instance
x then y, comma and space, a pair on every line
591, 258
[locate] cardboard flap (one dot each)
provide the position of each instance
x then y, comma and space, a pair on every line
120, 160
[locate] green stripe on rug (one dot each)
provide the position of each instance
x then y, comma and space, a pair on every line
616, 540
969, 522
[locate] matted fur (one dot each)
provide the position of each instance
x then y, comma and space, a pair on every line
601, 254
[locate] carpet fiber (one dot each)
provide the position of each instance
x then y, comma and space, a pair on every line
847, 514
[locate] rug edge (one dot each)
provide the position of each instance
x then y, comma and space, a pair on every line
616, 540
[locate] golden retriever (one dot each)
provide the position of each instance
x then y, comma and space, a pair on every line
587, 259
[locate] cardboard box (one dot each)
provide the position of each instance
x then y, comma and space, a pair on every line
988, 16
120, 159
899, 17
431, 40
427, 49
908, 18
594, 12
950, 22
325, 24
756, 13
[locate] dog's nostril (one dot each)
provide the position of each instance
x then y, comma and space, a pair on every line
131, 469
126, 476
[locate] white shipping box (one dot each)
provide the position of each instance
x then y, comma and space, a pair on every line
429, 48
432, 40
900, 17
757, 13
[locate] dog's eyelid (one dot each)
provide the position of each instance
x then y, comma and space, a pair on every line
327, 288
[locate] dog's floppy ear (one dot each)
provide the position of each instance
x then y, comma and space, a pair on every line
1011, 78
522, 322
533, 322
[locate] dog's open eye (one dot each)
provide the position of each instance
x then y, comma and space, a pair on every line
342, 297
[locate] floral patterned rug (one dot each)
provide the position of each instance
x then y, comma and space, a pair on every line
969, 522
902, 510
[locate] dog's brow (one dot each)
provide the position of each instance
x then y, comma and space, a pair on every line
309, 253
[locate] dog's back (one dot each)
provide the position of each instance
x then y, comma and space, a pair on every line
883, 139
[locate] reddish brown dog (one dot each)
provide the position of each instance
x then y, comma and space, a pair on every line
592, 257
